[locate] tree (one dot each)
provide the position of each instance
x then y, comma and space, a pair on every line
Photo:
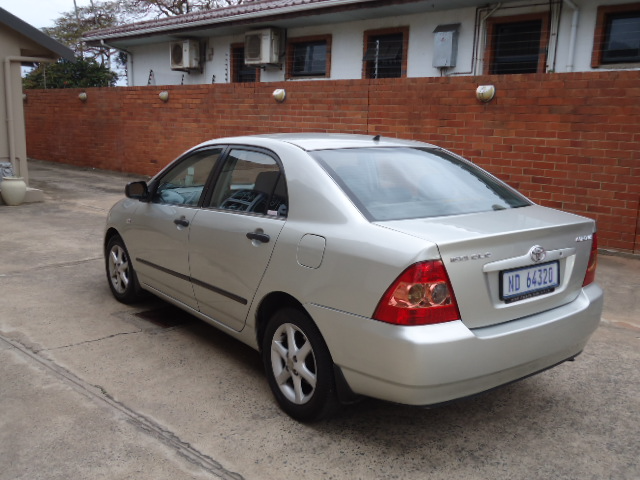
169, 8
83, 73
72, 25
69, 29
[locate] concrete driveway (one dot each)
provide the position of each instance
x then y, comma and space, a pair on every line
90, 388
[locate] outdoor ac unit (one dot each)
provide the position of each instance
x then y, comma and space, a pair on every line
263, 47
185, 55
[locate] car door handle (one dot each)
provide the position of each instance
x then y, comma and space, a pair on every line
181, 222
260, 237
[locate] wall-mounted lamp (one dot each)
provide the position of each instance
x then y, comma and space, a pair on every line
485, 93
279, 95
164, 96
82, 96
24, 97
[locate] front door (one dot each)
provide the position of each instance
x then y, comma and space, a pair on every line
233, 236
160, 230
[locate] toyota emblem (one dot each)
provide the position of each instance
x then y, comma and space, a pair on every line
537, 253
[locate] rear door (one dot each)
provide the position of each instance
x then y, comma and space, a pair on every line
233, 236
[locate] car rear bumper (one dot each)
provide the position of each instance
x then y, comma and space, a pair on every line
431, 364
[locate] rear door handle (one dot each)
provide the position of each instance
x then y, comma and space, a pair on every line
182, 221
260, 237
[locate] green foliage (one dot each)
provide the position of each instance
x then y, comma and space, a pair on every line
83, 73
71, 26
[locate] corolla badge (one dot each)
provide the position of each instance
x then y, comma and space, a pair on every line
475, 256
537, 253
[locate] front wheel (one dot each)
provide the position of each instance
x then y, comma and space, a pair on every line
299, 367
120, 274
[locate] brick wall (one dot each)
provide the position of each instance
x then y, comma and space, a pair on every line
569, 141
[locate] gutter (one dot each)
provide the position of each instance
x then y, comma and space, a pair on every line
226, 19
8, 91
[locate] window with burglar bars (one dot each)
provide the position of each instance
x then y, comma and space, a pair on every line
385, 54
617, 36
309, 57
516, 45
241, 72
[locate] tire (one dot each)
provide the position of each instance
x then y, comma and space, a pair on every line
121, 277
299, 367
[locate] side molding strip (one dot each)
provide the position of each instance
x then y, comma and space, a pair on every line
187, 278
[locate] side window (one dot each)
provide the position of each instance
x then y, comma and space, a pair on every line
309, 57
617, 35
184, 183
251, 181
516, 44
385, 53
240, 71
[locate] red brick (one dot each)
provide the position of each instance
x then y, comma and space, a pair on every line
566, 140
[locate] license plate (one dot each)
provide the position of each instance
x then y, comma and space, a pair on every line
529, 282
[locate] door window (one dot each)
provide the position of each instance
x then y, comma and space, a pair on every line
251, 181
184, 184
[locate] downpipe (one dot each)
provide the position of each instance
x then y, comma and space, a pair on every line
573, 35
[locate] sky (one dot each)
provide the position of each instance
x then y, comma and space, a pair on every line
40, 13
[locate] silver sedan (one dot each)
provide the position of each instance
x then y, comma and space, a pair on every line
359, 266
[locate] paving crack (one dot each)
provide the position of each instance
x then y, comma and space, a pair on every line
89, 341
51, 265
148, 426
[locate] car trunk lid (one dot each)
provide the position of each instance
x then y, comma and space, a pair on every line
487, 255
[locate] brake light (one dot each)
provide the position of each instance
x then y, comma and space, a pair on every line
421, 295
590, 276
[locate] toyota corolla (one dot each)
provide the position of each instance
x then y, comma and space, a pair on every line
359, 266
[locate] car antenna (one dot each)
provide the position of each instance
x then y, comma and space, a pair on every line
376, 138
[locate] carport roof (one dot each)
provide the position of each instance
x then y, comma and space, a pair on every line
14, 23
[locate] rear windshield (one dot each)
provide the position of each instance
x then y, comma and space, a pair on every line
400, 183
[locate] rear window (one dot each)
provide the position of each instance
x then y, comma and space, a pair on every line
400, 183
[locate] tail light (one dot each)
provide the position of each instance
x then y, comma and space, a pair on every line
421, 295
590, 276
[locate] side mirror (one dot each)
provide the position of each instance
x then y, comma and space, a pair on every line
137, 191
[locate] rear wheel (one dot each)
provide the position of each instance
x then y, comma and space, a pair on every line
120, 274
299, 367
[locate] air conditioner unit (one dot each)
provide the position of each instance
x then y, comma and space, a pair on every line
185, 55
263, 47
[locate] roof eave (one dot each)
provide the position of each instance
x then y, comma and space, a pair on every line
95, 36
55, 47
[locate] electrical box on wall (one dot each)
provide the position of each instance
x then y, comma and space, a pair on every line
445, 49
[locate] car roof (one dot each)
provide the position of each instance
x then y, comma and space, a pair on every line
326, 141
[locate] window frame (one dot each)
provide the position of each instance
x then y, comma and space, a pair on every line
368, 34
490, 50
219, 176
293, 42
236, 64
179, 166
604, 13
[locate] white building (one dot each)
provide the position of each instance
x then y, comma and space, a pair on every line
277, 40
